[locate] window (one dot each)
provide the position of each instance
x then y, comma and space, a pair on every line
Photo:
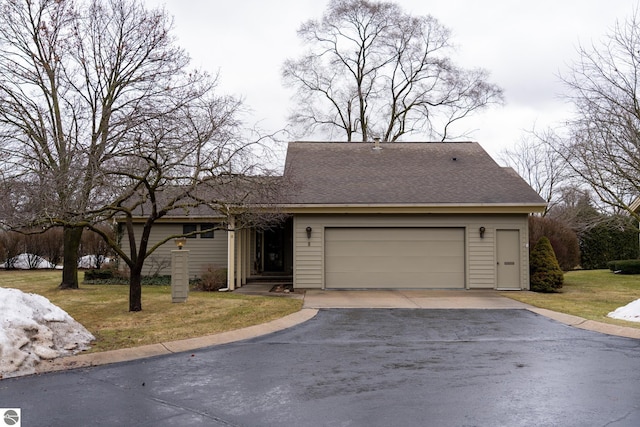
207, 234
205, 229
189, 228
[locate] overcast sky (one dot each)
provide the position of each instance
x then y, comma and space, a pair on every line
523, 44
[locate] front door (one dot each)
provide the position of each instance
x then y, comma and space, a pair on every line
274, 249
508, 259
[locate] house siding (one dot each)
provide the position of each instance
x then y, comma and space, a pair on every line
308, 271
202, 252
480, 253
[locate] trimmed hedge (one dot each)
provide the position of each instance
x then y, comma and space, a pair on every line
625, 266
98, 274
115, 277
607, 241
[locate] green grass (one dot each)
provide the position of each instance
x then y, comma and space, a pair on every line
103, 310
590, 294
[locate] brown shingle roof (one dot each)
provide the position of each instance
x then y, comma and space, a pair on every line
334, 173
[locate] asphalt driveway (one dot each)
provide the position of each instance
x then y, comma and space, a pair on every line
360, 367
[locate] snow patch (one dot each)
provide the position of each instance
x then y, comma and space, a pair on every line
91, 261
28, 262
33, 329
630, 312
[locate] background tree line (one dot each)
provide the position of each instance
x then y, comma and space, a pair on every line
47, 244
588, 169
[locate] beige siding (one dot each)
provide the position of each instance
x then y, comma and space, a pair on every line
308, 263
202, 252
480, 254
481, 260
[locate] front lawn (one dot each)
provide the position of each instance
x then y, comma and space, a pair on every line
103, 310
590, 294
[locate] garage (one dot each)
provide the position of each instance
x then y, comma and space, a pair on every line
401, 258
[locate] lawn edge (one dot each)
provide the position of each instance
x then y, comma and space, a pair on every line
179, 346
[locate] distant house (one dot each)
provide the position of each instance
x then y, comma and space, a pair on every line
380, 216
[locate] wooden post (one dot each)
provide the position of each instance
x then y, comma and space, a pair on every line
179, 275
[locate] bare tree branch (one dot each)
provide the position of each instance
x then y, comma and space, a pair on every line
603, 140
374, 70
535, 159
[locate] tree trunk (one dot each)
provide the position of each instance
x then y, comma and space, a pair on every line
135, 289
71, 245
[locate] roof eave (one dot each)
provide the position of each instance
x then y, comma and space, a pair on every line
175, 218
445, 208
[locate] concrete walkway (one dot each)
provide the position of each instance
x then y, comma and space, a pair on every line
319, 299
484, 299
434, 299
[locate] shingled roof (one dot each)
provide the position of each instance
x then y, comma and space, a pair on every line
400, 173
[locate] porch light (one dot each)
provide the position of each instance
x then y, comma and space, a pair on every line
482, 230
180, 242
309, 229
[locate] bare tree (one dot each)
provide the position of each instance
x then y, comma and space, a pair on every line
535, 159
76, 79
51, 243
373, 70
603, 142
101, 117
11, 244
188, 159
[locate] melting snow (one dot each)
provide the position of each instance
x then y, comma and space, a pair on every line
32, 329
27, 262
91, 261
630, 312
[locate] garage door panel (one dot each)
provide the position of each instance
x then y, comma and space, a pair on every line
394, 258
385, 280
387, 263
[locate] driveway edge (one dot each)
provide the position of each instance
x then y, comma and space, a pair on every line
589, 325
305, 314
128, 354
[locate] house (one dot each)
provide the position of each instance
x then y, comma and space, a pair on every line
380, 216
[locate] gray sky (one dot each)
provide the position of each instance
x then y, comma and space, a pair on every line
523, 44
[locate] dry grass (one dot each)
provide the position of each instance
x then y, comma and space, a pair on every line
103, 310
588, 294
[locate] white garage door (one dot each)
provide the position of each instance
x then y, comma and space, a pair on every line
404, 258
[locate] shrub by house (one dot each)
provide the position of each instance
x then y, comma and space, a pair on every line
545, 272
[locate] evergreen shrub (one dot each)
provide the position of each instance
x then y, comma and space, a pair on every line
625, 266
545, 272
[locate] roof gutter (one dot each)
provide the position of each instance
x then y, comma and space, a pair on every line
437, 208
466, 208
